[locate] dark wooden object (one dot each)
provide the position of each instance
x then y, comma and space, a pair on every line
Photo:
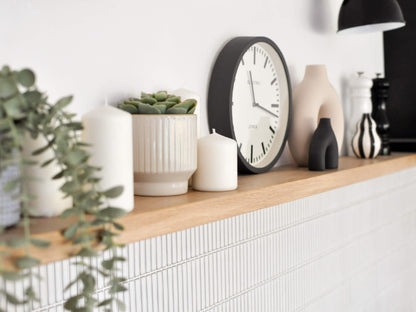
379, 96
400, 66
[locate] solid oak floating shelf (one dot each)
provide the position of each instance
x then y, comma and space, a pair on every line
155, 216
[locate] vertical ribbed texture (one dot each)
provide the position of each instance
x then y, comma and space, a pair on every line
164, 143
9, 206
350, 249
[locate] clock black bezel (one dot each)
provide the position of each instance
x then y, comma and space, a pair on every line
221, 89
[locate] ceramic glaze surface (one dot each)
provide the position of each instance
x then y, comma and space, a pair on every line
366, 143
360, 100
49, 200
314, 98
164, 153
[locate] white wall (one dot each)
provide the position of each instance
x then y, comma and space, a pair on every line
116, 48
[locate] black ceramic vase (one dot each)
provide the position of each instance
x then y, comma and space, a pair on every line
323, 150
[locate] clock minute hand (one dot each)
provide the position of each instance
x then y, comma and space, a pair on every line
252, 88
265, 109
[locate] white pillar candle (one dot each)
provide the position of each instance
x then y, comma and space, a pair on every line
109, 130
216, 165
48, 200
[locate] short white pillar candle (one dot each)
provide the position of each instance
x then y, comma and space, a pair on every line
216, 165
109, 131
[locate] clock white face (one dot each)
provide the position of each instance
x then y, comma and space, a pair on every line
260, 105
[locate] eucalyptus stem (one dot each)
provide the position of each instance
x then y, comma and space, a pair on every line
26, 111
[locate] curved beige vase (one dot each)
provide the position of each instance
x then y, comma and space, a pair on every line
164, 153
314, 98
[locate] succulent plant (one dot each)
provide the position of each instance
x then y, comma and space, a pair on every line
158, 103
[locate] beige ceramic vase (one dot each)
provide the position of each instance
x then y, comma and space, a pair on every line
314, 98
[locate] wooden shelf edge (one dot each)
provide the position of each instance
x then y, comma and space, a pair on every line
162, 215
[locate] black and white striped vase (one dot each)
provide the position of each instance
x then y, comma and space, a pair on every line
366, 142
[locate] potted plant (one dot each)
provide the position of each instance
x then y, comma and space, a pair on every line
164, 143
26, 111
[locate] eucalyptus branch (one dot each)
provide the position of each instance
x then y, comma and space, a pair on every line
28, 112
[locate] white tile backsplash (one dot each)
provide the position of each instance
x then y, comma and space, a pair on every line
350, 249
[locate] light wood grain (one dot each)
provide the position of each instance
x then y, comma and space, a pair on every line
155, 216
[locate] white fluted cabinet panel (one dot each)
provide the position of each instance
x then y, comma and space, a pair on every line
350, 249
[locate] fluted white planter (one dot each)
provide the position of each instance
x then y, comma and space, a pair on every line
164, 153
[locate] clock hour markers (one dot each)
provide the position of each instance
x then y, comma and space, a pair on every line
275, 105
251, 156
242, 61
239, 146
262, 145
272, 130
254, 55
273, 81
265, 63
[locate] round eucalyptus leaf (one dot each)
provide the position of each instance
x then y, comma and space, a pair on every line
5, 71
26, 78
8, 87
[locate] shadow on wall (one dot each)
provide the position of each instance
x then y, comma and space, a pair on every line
320, 16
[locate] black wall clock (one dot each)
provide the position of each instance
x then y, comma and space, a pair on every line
249, 100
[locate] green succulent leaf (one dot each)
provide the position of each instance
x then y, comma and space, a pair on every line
27, 262
15, 107
108, 264
13, 299
148, 100
161, 108
26, 78
105, 302
11, 185
148, 109
118, 226
187, 104
18, 242
8, 87
72, 303
70, 212
63, 102
12, 276
129, 108
40, 243
112, 212
173, 98
176, 110
161, 96
71, 231
114, 192
87, 252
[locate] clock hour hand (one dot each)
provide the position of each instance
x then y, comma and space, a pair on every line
252, 88
266, 110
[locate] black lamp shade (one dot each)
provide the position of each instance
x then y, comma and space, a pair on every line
362, 16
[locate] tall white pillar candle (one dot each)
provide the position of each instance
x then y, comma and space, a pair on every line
48, 200
216, 165
109, 130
